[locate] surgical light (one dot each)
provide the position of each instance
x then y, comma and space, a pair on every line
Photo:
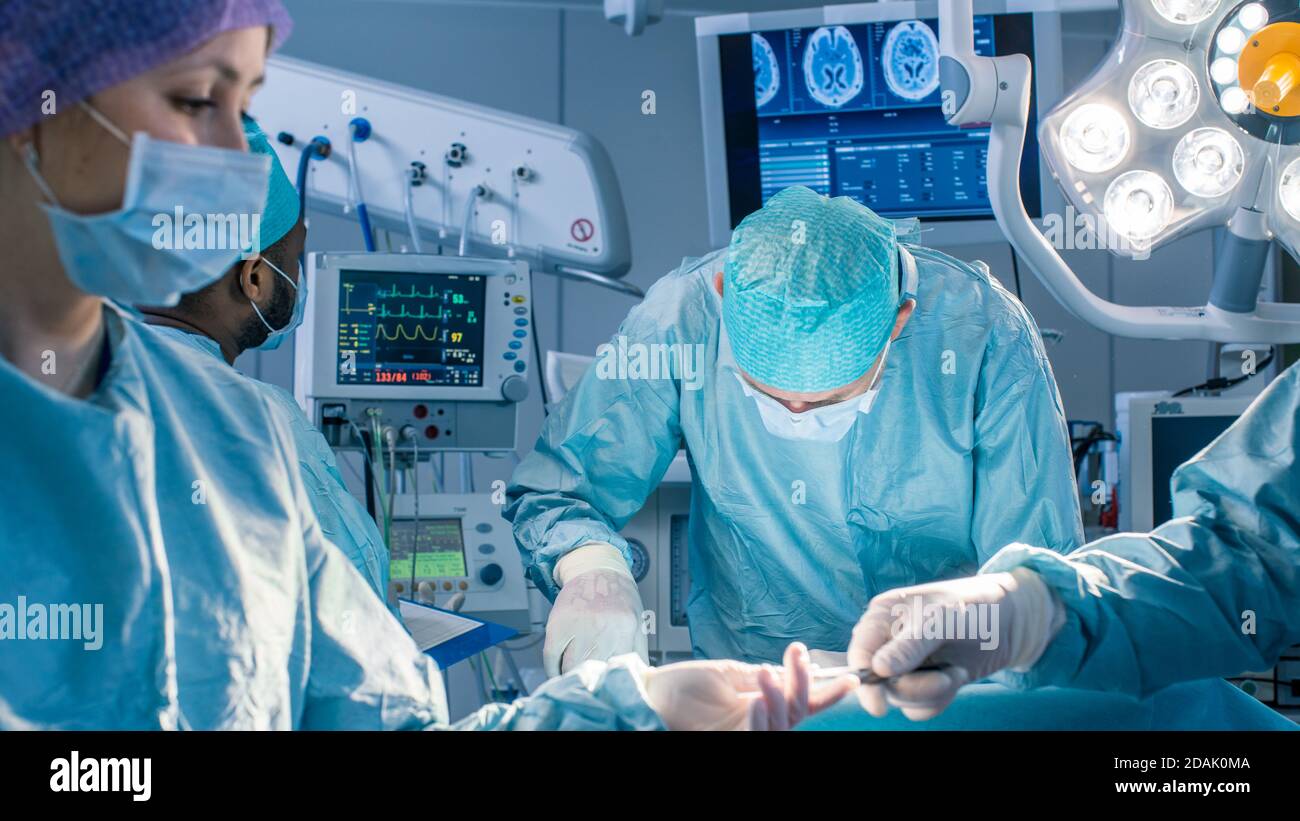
1224, 71
1095, 138
1252, 16
1234, 100
1289, 189
1163, 94
1230, 40
1191, 122
1208, 162
1138, 205
1185, 11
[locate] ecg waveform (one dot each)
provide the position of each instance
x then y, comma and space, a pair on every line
401, 327
400, 332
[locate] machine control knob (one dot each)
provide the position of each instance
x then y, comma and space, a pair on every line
515, 388
491, 574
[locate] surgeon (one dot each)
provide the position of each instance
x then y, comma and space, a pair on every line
1213, 592
159, 549
258, 304
859, 413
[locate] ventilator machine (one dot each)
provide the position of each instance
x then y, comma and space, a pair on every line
411, 354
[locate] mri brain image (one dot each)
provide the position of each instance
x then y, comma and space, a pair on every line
910, 60
832, 66
767, 77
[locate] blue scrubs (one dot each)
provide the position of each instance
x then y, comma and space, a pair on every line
342, 518
163, 502
965, 450
1215, 591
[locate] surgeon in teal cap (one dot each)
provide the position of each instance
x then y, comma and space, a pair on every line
859, 413
258, 304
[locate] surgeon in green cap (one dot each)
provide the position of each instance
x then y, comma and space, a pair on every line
258, 304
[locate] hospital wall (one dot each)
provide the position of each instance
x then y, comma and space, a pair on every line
574, 68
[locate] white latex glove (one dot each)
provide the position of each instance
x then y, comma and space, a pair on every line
597, 614
828, 658
732, 695
905, 628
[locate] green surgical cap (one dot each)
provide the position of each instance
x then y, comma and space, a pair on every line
811, 291
280, 214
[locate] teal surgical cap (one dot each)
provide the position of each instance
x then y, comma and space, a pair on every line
811, 291
280, 214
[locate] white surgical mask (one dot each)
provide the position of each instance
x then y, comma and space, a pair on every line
828, 423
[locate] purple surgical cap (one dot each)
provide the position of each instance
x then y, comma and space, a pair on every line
77, 48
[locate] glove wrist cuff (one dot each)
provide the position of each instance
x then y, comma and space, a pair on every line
1040, 616
588, 557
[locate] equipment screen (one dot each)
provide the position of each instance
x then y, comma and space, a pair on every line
854, 110
438, 548
1174, 440
403, 328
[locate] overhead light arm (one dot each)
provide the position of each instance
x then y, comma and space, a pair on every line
995, 90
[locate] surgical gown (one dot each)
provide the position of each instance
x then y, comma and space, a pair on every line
164, 502
343, 520
965, 448
1215, 591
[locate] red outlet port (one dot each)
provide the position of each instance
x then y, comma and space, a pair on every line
420, 411
431, 432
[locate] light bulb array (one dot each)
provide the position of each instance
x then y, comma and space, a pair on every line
1195, 97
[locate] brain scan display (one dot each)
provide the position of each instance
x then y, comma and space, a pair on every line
767, 75
910, 60
852, 109
832, 66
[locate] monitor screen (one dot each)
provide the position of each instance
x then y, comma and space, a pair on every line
854, 110
1174, 440
403, 328
438, 549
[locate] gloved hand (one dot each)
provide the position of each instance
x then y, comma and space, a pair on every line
905, 628
732, 695
597, 614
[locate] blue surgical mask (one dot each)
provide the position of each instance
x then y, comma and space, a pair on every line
828, 423
278, 335
132, 255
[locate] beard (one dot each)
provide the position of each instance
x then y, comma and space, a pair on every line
277, 314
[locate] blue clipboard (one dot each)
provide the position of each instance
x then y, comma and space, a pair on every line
479, 636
